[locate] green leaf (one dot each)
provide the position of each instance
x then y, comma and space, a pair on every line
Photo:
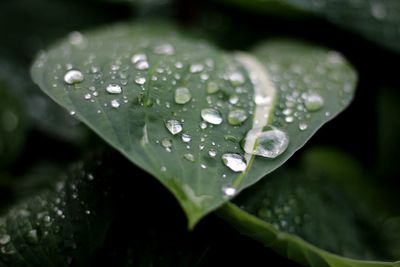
315, 215
61, 226
148, 91
376, 20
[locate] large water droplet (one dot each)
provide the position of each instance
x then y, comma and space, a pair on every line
73, 77
313, 102
114, 89
269, 142
5, 239
174, 126
182, 95
211, 116
237, 116
235, 162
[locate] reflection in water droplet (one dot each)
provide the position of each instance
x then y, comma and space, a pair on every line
113, 89
73, 77
182, 95
174, 126
237, 116
313, 102
269, 142
211, 116
235, 162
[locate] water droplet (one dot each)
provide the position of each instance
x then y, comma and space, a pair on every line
189, 157
167, 144
163, 169
32, 236
142, 65
174, 126
212, 87
196, 68
87, 96
115, 103
4, 239
234, 99
236, 78
164, 49
73, 77
113, 89
303, 126
378, 10
140, 80
182, 95
75, 38
211, 116
212, 153
237, 116
138, 57
203, 166
186, 138
268, 142
229, 191
313, 102
203, 125
235, 162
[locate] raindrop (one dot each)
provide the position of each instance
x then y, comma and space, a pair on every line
236, 78
196, 68
212, 153
4, 239
212, 87
167, 144
211, 116
182, 95
87, 96
229, 191
140, 80
237, 116
303, 126
115, 103
113, 89
203, 125
268, 142
313, 102
234, 99
138, 57
186, 138
189, 157
235, 162
142, 65
174, 126
73, 77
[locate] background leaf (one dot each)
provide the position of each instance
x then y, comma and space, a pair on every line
147, 98
314, 213
377, 20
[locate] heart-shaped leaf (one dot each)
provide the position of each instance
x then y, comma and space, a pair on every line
179, 108
324, 214
377, 20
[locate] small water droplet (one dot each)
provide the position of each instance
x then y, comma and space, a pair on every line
203, 125
211, 116
87, 96
189, 157
235, 162
303, 126
164, 49
167, 144
163, 169
237, 116
114, 89
196, 68
182, 95
229, 191
234, 99
203, 166
5, 239
186, 138
140, 80
212, 87
174, 126
313, 102
138, 57
73, 77
236, 78
269, 142
212, 153
115, 103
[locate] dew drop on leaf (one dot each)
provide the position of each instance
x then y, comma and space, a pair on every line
173, 126
189, 157
115, 103
196, 68
182, 95
73, 77
212, 153
211, 116
114, 89
186, 138
167, 144
237, 116
268, 142
212, 87
234, 161
313, 102
229, 191
303, 126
